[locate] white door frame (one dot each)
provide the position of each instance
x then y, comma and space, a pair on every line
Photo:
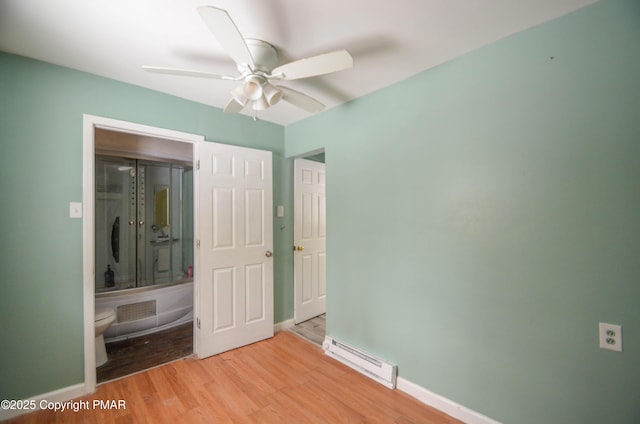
90, 123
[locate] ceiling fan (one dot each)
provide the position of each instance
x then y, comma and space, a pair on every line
257, 63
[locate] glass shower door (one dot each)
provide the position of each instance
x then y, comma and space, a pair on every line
167, 257
155, 239
115, 223
144, 223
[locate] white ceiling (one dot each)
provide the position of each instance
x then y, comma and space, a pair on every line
389, 40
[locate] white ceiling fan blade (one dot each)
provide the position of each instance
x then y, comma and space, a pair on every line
185, 72
227, 34
233, 106
315, 65
300, 100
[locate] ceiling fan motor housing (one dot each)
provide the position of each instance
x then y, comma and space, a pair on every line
265, 56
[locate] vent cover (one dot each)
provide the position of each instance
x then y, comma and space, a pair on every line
136, 311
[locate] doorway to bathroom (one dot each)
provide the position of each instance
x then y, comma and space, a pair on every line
142, 222
144, 245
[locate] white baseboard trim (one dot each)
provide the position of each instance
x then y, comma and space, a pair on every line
60, 395
443, 404
283, 325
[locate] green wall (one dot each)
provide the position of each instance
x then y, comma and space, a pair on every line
41, 116
484, 216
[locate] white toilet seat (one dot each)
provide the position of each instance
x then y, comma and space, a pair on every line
104, 313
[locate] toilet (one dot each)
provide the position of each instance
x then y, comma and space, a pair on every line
104, 319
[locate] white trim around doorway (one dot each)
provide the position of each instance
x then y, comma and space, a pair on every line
90, 123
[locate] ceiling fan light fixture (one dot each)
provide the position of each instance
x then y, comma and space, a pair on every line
271, 94
252, 88
238, 95
260, 104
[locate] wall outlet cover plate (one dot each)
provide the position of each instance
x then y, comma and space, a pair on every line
610, 336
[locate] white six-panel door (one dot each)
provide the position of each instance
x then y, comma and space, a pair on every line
309, 235
234, 272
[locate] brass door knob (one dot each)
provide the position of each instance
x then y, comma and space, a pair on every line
298, 248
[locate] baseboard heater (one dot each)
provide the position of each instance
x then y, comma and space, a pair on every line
381, 371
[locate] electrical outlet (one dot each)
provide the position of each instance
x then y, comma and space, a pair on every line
611, 336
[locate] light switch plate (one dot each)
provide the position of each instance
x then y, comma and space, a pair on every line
75, 210
280, 211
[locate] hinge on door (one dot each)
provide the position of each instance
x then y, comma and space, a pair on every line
198, 323
198, 164
198, 244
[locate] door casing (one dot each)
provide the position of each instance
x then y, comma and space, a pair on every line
90, 123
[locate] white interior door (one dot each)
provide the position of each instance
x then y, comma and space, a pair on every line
234, 272
309, 237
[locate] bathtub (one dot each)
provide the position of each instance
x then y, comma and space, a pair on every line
147, 310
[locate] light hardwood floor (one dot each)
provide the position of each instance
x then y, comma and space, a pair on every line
281, 380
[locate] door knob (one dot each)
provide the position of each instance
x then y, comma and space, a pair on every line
268, 254
298, 248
